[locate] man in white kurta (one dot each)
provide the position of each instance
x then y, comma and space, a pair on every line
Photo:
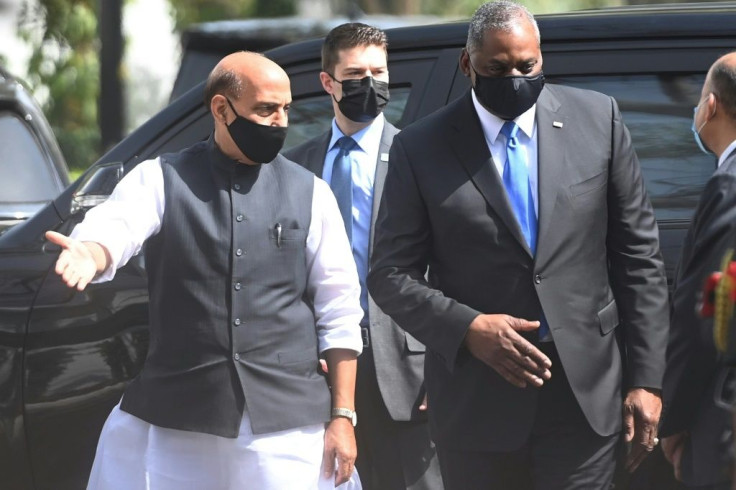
149, 442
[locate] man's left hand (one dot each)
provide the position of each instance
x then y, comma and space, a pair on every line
340, 450
642, 409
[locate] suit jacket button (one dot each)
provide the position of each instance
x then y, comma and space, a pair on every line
236, 357
537, 279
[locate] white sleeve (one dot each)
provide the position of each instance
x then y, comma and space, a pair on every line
332, 277
130, 215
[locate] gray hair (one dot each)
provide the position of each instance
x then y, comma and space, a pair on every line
501, 15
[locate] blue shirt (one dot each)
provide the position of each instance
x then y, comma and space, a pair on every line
363, 171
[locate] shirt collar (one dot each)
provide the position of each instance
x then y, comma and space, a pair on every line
492, 124
368, 137
729, 149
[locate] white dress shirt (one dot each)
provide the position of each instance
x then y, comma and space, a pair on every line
134, 211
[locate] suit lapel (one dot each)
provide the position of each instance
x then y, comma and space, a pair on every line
551, 127
387, 137
471, 149
314, 159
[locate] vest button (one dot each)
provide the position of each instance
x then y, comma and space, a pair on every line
239, 218
239, 252
236, 357
238, 286
236, 187
537, 279
236, 322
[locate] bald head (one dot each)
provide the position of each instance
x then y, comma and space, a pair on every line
248, 86
235, 72
721, 81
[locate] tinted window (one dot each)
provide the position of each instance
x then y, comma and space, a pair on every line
311, 116
25, 175
658, 110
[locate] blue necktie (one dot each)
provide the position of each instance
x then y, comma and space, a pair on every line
341, 181
516, 182
518, 189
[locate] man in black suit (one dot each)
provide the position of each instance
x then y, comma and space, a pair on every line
394, 448
545, 304
696, 430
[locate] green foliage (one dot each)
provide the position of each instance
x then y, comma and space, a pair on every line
274, 8
63, 72
187, 12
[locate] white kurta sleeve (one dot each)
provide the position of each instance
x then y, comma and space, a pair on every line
332, 278
129, 216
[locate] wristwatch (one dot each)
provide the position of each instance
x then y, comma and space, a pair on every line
347, 413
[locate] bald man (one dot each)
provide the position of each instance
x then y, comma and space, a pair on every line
251, 280
695, 430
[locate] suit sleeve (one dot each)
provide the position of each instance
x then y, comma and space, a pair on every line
636, 268
401, 254
691, 353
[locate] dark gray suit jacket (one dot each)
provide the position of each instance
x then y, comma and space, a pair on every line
597, 267
399, 357
692, 361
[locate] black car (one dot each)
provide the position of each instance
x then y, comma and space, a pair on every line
204, 44
66, 356
32, 169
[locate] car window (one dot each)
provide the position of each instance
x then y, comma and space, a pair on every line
311, 116
658, 110
25, 175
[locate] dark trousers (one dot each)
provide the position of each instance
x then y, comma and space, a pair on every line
391, 455
563, 452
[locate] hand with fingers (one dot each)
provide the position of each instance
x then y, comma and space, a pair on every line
642, 409
78, 262
340, 450
495, 340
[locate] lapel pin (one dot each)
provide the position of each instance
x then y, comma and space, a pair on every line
557, 124
384, 157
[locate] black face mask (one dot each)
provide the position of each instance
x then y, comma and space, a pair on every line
508, 97
258, 142
362, 100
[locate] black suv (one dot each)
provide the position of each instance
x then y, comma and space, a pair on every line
65, 356
204, 44
32, 169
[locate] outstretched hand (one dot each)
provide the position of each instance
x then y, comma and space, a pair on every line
78, 262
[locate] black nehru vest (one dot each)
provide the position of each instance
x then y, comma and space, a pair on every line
230, 322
